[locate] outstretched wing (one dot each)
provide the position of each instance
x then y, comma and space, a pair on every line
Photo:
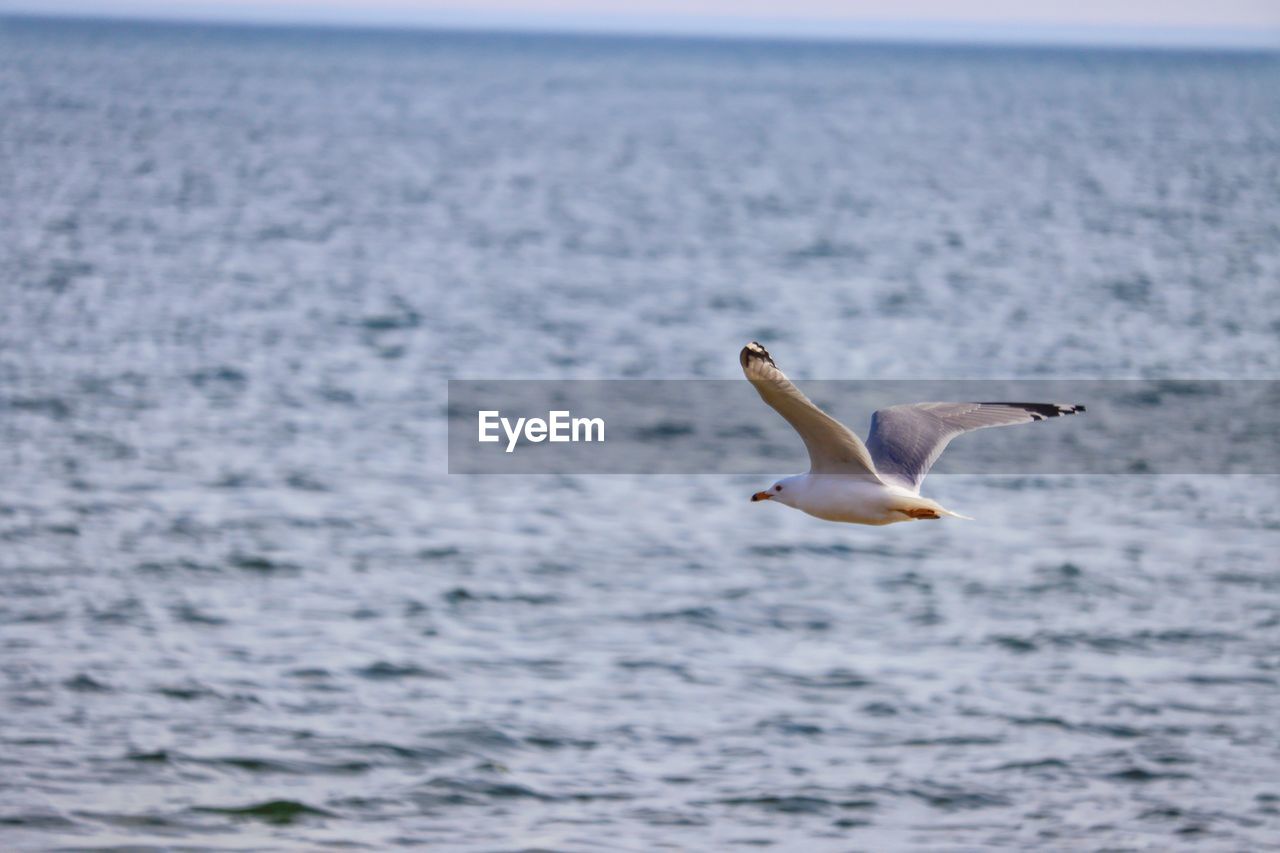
905, 441
833, 449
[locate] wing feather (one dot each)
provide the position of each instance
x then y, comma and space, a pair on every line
906, 440
833, 449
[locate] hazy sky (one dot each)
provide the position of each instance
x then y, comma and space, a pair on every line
1152, 21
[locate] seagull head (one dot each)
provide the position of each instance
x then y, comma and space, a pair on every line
779, 491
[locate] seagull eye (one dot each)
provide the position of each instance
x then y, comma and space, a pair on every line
777, 488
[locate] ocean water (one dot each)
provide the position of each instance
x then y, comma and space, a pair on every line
243, 607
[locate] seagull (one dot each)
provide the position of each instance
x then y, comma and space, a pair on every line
877, 482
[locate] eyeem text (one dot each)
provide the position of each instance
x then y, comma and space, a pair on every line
558, 426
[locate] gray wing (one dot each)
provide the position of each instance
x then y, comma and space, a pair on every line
833, 449
905, 441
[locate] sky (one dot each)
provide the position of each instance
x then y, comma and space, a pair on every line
1243, 23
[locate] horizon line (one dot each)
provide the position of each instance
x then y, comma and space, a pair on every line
940, 33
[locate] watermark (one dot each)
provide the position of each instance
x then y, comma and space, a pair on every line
559, 426
694, 427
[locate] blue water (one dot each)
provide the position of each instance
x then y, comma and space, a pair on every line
243, 606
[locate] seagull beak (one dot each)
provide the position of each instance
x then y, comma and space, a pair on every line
760, 496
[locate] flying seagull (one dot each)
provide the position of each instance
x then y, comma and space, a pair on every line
877, 482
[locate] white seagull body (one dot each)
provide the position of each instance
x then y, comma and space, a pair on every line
877, 482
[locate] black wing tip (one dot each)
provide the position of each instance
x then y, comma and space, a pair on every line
754, 352
1040, 411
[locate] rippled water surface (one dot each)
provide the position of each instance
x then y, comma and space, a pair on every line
243, 606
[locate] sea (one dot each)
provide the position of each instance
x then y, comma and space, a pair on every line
244, 605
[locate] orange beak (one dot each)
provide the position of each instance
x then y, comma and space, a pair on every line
760, 496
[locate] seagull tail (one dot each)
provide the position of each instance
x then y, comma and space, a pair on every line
937, 510
918, 507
